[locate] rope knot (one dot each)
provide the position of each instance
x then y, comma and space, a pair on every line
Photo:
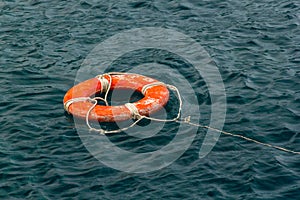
104, 82
101, 131
187, 119
133, 110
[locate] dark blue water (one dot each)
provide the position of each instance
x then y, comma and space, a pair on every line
256, 46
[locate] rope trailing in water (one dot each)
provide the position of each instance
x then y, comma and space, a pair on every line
106, 85
187, 121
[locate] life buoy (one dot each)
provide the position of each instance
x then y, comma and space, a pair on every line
156, 95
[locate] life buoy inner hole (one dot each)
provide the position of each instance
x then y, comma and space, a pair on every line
118, 97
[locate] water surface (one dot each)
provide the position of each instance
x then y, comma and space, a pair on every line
255, 45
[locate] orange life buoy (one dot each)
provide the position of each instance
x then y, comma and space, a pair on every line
156, 95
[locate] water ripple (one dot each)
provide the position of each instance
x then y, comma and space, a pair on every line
255, 46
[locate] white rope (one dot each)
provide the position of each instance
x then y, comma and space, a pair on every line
131, 107
133, 110
187, 121
70, 101
102, 131
105, 87
146, 87
104, 83
171, 87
